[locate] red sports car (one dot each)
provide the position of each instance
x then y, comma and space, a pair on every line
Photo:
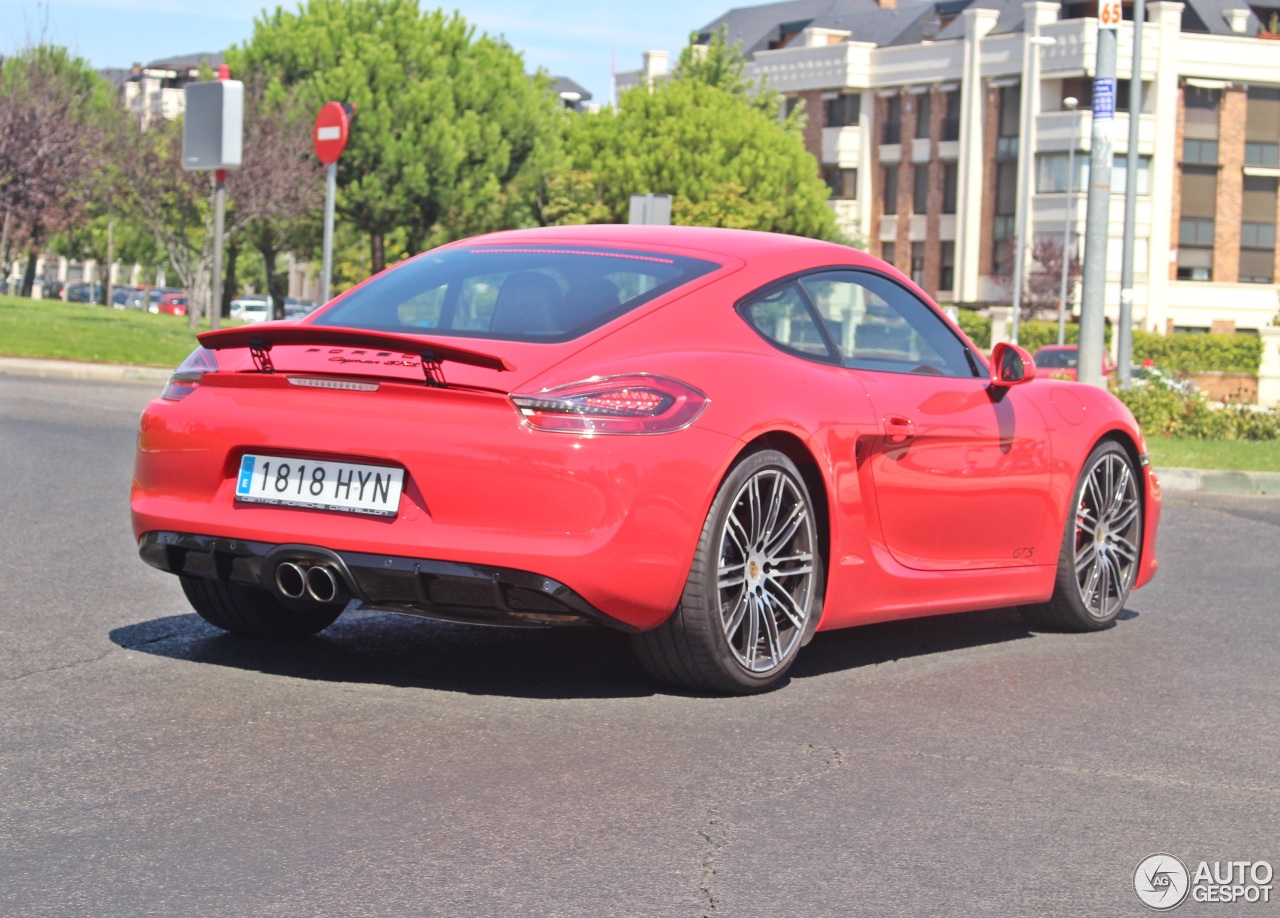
717, 441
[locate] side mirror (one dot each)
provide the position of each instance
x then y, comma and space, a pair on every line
1011, 366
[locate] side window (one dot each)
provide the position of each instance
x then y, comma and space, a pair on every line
782, 315
878, 325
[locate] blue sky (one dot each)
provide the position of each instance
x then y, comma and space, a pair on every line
574, 38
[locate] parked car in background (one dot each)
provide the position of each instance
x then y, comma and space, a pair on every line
296, 307
716, 441
252, 307
84, 293
1064, 359
120, 296
174, 304
1148, 374
51, 290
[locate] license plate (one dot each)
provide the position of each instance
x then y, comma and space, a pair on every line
345, 486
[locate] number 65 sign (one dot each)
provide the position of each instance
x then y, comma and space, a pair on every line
1109, 14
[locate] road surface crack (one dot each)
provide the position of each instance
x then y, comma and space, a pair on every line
712, 834
70, 664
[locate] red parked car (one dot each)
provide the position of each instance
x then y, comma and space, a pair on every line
174, 304
716, 441
1065, 359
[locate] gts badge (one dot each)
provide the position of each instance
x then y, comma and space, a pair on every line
1023, 554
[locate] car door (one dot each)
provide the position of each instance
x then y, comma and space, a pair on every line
960, 472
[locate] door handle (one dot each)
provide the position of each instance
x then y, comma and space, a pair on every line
899, 429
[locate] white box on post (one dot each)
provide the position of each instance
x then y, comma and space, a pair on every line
213, 130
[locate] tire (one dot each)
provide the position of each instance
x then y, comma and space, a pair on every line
753, 593
254, 612
1101, 547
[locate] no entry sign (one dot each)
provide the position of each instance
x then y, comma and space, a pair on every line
330, 133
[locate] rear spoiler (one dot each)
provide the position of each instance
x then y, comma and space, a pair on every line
259, 339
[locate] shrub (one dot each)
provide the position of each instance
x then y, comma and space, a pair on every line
977, 327
1161, 411
1206, 353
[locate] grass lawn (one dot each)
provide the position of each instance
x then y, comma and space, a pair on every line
78, 331
1233, 455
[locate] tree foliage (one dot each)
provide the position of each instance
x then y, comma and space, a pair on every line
725, 161
55, 115
710, 137
449, 136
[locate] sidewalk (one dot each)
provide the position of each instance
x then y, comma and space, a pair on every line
1216, 480
74, 369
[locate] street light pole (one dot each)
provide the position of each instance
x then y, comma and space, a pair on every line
1023, 186
1124, 326
1069, 103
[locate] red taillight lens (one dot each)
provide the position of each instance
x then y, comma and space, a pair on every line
184, 380
614, 405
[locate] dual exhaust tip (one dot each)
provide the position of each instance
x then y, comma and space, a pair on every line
317, 582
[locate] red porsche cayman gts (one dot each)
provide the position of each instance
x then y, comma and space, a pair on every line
718, 441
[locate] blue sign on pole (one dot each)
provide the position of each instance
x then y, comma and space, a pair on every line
1104, 99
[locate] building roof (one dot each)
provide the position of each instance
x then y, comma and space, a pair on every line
913, 21
187, 62
561, 85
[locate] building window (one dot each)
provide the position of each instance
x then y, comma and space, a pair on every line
842, 182
917, 263
1199, 151
920, 188
1258, 229
947, 277
1005, 215
791, 104
887, 251
1051, 172
892, 120
1261, 154
1009, 122
1195, 248
843, 110
1120, 174
890, 174
950, 186
1201, 113
951, 120
923, 115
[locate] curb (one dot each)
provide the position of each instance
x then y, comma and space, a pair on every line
1219, 481
73, 369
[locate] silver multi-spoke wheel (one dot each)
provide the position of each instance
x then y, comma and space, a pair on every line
1107, 536
1101, 547
754, 593
766, 571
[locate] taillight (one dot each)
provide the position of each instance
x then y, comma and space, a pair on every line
184, 380
637, 404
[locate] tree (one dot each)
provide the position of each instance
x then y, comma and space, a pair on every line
449, 135
277, 188
725, 159
1042, 283
719, 64
55, 112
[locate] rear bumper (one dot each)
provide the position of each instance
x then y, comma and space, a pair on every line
428, 588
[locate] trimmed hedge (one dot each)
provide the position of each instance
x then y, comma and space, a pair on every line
1161, 411
1204, 353
1177, 354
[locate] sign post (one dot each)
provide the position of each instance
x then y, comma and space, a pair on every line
213, 138
330, 139
1093, 318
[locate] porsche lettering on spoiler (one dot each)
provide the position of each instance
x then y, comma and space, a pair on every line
261, 338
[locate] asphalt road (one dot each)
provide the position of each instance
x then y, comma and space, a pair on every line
150, 765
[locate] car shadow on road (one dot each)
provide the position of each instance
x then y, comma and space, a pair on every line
403, 652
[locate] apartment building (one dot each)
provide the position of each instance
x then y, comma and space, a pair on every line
934, 121
156, 92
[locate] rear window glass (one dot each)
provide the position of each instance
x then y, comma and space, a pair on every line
522, 293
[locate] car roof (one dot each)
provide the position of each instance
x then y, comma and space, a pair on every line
735, 243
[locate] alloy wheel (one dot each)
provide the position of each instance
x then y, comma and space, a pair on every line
1106, 538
